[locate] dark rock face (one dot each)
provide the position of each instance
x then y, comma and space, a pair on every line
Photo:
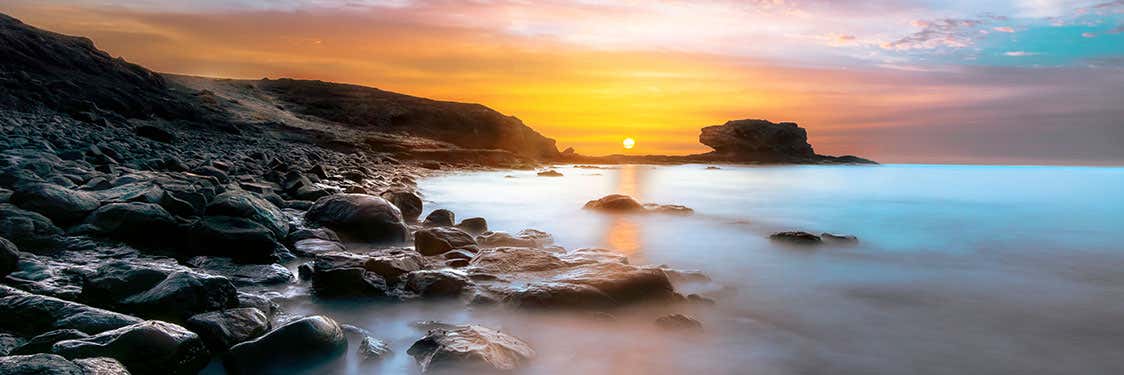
55, 202
470, 126
361, 217
341, 275
44, 342
155, 133
134, 222
615, 203
313, 246
407, 202
470, 348
226, 328
245, 205
303, 344
234, 237
9, 257
440, 218
438, 240
758, 140
34, 314
28, 230
796, 238
38, 364
151, 347
101, 366
842, 239
243, 274
182, 295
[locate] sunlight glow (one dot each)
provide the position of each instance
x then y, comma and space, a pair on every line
629, 143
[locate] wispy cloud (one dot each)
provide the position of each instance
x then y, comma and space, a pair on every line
948, 32
1004, 29
1021, 53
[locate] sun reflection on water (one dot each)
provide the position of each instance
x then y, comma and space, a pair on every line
622, 234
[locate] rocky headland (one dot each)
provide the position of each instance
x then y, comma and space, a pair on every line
147, 220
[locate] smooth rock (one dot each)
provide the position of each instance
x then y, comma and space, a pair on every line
236, 238
303, 344
436, 283
439, 218
313, 246
43, 343
473, 225
150, 347
135, 222
407, 202
614, 203
470, 348
243, 274
182, 295
226, 328
55, 202
360, 217
34, 314
438, 240
38, 364
242, 204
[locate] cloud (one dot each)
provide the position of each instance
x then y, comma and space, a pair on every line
1021, 53
1117, 30
1004, 29
1088, 35
948, 32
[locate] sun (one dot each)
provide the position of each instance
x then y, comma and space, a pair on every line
629, 143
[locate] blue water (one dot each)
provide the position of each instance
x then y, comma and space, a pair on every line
960, 269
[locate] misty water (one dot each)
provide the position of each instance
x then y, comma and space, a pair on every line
960, 269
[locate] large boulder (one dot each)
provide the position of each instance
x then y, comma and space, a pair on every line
438, 240
234, 237
242, 274
237, 203
135, 222
304, 344
226, 328
345, 275
360, 217
34, 314
615, 203
9, 257
436, 283
758, 140
182, 295
116, 280
151, 347
58, 203
407, 202
28, 230
470, 348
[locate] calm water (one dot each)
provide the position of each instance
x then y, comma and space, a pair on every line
960, 270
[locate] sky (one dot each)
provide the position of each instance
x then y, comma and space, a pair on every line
900, 81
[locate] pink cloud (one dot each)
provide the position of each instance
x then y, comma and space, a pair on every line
1004, 29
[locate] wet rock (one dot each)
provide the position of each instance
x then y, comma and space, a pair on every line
134, 222
243, 274
28, 230
614, 203
236, 238
678, 322
796, 238
114, 281
302, 344
439, 218
669, 209
38, 364
260, 302
407, 202
361, 217
473, 225
840, 239
43, 343
151, 347
436, 283
438, 240
458, 254
55, 202
584, 278
211, 171
317, 233
758, 140
182, 295
470, 348
245, 205
226, 328
313, 246
101, 366
372, 349
525, 238
9, 257
155, 133
550, 173
9, 342
341, 275
34, 314
392, 266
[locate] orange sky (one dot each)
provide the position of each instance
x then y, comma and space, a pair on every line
591, 94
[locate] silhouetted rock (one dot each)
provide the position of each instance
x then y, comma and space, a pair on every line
550, 173
361, 217
842, 239
758, 140
470, 348
297, 346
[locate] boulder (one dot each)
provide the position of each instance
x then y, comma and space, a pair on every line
235, 203
304, 344
38, 364
101, 366
392, 266
470, 348
243, 274
360, 217
313, 246
34, 314
796, 238
438, 240
550, 173
226, 328
678, 322
372, 349
839, 239
614, 203
58, 203
439, 218
43, 343
211, 171
26, 229
116, 280
407, 202
342, 275
9, 257
310, 233
182, 295
9, 342
151, 347
436, 283
135, 222
236, 238
758, 140
473, 225
525, 238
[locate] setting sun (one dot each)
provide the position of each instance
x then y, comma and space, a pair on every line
629, 143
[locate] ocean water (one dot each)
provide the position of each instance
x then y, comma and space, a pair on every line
959, 269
